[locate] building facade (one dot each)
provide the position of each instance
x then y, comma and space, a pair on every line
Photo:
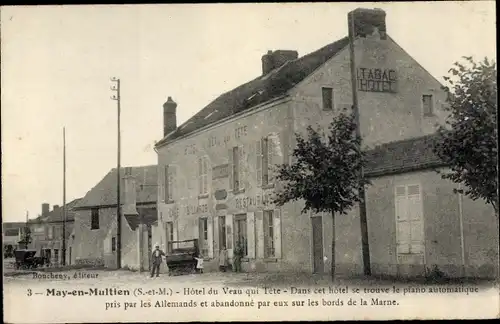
47, 232
216, 172
12, 234
94, 240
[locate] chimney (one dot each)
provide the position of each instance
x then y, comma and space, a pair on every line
45, 209
365, 22
273, 60
130, 191
56, 207
169, 116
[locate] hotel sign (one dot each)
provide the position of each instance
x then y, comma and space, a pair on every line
377, 80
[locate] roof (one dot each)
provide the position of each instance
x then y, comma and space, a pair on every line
403, 156
12, 225
57, 214
104, 193
265, 88
149, 217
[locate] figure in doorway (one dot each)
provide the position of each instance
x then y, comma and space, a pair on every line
223, 261
237, 256
156, 259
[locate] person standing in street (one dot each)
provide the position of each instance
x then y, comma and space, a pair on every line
156, 259
199, 263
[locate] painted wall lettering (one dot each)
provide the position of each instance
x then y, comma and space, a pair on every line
240, 132
190, 149
257, 200
196, 209
377, 80
220, 171
173, 212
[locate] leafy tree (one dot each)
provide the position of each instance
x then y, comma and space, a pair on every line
468, 142
325, 171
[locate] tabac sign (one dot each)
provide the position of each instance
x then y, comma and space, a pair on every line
377, 80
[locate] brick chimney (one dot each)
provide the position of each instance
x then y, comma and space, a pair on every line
273, 60
130, 192
169, 116
365, 22
45, 209
56, 207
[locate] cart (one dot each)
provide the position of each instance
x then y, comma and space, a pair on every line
181, 257
26, 259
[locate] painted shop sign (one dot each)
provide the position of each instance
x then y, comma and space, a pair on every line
255, 201
196, 209
220, 171
214, 141
377, 80
173, 212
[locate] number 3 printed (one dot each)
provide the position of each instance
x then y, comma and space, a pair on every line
29, 292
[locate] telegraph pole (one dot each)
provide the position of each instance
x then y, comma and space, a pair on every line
117, 97
64, 200
355, 106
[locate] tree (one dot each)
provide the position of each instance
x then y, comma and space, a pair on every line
325, 171
468, 142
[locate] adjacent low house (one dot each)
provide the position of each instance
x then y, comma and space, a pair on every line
47, 232
94, 237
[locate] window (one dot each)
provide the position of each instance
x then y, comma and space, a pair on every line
56, 255
222, 232
50, 233
170, 177
170, 236
266, 154
236, 171
203, 175
240, 232
94, 219
113, 244
409, 220
428, 105
327, 94
269, 234
203, 236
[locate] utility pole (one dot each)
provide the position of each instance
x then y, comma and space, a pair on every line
355, 106
64, 201
117, 97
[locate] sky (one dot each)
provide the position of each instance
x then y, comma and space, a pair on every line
57, 62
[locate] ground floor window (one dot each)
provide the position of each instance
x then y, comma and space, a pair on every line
113, 244
240, 232
269, 250
222, 232
56, 255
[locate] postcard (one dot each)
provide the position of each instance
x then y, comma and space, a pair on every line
249, 162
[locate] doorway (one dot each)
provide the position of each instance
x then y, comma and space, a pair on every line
317, 244
146, 247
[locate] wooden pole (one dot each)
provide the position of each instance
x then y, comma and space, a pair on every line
117, 97
64, 201
362, 205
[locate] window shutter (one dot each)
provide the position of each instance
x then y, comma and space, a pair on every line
259, 229
160, 184
415, 219
241, 167
215, 232
402, 222
251, 234
165, 181
210, 238
277, 233
229, 235
258, 162
196, 231
176, 236
231, 168
200, 175
173, 186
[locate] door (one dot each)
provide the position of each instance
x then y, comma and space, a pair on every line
146, 247
69, 260
317, 242
240, 232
